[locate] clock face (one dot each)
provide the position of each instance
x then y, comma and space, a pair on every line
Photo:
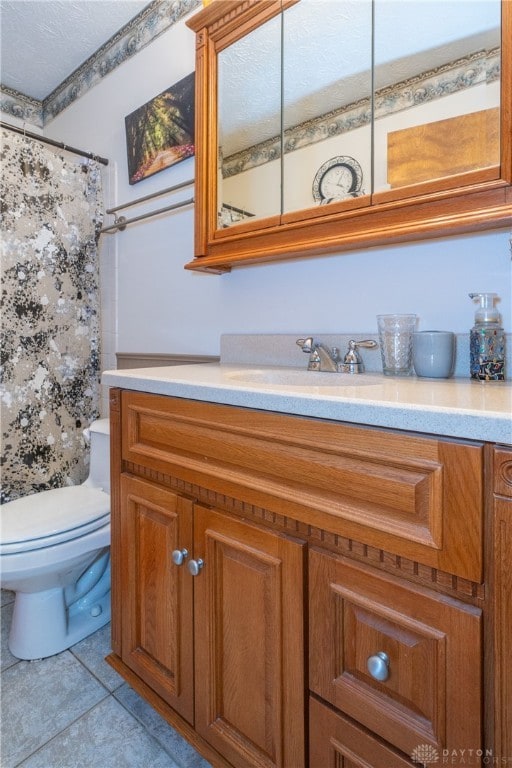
337, 179
336, 182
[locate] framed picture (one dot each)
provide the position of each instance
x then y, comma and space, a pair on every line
161, 132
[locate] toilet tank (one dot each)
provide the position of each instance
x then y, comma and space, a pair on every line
98, 435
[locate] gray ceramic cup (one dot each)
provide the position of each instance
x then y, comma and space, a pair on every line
433, 354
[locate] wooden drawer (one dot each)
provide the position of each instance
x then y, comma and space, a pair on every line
433, 691
335, 742
409, 495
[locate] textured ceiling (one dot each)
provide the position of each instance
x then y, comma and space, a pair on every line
44, 41
328, 54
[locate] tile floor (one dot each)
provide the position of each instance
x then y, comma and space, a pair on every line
73, 710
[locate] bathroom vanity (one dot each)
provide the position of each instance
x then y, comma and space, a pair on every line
315, 575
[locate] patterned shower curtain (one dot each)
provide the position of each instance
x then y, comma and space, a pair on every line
51, 213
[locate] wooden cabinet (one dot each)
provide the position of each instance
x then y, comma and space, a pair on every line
389, 544
223, 647
453, 200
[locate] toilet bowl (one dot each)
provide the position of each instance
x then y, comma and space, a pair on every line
55, 556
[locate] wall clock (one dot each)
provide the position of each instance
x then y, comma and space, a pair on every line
336, 179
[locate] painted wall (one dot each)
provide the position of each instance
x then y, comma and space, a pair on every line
152, 304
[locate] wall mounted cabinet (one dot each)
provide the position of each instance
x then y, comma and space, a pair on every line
389, 148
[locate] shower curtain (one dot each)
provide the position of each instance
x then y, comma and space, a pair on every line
51, 214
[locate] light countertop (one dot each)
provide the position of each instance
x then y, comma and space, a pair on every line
454, 407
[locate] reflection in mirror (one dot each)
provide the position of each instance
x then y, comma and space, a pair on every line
249, 126
434, 111
327, 85
437, 89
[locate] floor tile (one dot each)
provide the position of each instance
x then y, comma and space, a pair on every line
6, 657
182, 752
106, 737
41, 698
92, 651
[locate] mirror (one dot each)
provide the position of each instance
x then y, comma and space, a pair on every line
327, 155
249, 180
266, 86
306, 137
437, 89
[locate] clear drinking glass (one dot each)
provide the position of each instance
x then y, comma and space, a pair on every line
395, 336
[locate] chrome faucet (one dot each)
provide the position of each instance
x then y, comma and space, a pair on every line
320, 358
352, 362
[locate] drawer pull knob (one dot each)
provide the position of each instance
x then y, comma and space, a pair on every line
378, 666
179, 556
194, 566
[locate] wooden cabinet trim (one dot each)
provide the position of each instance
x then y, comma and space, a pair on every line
397, 565
503, 624
499, 631
503, 471
115, 519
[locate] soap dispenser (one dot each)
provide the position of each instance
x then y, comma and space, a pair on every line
487, 341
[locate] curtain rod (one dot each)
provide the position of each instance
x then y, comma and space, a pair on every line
53, 143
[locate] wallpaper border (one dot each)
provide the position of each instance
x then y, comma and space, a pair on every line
156, 18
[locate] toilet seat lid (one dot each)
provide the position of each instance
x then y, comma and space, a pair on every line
51, 517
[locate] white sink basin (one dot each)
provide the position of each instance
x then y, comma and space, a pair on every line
292, 377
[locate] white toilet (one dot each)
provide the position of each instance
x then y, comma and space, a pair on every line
55, 555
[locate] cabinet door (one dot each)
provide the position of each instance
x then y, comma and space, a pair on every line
403, 661
249, 642
157, 640
335, 742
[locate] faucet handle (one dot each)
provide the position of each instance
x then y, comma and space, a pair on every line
306, 344
352, 362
